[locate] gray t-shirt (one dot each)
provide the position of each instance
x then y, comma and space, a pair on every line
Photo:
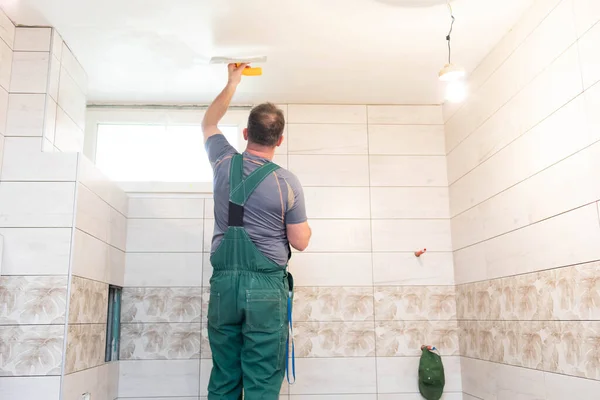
277, 201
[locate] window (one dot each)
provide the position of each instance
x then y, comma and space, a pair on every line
155, 153
113, 325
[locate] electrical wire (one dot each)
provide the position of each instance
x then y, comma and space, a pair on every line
450, 33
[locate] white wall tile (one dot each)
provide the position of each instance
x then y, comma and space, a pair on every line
116, 267
407, 140
74, 68
209, 208
330, 170
207, 269
71, 98
408, 171
163, 269
566, 239
590, 56
68, 136
108, 191
281, 160
54, 78
559, 387
26, 113
400, 374
36, 251
164, 235
153, 378
326, 114
559, 136
154, 207
90, 257
29, 72
518, 70
93, 213
479, 378
57, 45
417, 396
399, 269
6, 57
94, 381
333, 236
50, 120
406, 115
409, 202
332, 269
24, 161
411, 235
24, 388
335, 376
3, 110
550, 90
209, 228
564, 186
1, 151
587, 13
7, 29
37, 204
327, 139
337, 202
117, 229
32, 39
333, 397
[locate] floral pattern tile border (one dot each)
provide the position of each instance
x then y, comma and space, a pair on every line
32, 300
333, 304
86, 346
565, 347
162, 304
569, 293
160, 341
415, 303
405, 338
88, 301
31, 350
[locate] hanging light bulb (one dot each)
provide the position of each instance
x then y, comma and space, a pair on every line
456, 91
451, 72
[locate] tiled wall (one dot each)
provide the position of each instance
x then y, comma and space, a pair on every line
54, 272
524, 173
376, 191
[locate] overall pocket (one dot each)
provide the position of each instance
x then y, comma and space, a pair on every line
214, 309
264, 311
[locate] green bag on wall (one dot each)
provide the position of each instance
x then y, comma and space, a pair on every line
431, 374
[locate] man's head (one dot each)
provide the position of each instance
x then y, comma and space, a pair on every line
265, 126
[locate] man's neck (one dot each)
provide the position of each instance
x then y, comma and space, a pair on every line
261, 151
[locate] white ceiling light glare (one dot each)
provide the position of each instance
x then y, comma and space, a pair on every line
456, 90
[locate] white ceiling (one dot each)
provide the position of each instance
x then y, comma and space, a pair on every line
319, 51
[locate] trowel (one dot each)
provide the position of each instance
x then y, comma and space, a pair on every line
248, 71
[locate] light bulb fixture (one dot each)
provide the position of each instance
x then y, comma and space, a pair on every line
451, 72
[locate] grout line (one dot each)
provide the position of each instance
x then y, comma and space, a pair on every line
529, 273
507, 57
523, 134
524, 227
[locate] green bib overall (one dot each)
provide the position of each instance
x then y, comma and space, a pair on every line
247, 313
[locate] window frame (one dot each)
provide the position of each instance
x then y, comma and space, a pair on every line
157, 115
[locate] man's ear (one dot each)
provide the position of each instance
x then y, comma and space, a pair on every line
245, 132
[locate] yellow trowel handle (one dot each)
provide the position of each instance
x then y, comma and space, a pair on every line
251, 71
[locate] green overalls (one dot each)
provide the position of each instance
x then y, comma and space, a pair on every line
247, 313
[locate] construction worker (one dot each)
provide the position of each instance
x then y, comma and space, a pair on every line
259, 213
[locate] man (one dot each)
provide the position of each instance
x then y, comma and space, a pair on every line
259, 213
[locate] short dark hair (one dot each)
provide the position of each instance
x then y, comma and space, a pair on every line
265, 125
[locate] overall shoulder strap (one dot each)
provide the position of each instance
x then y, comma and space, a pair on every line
240, 189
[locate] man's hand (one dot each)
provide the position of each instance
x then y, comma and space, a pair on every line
235, 73
218, 108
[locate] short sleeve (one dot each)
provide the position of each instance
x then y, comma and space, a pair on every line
218, 147
296, 213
